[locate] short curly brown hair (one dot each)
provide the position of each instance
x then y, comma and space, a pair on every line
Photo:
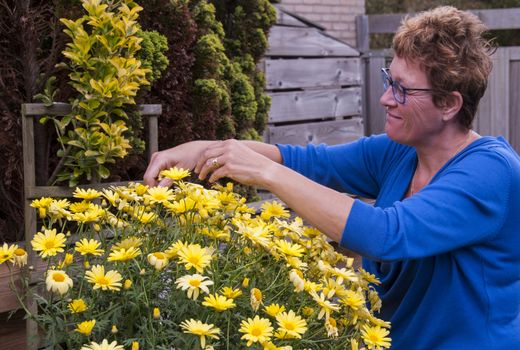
448, 44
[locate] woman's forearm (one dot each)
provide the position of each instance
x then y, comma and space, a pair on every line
270, 151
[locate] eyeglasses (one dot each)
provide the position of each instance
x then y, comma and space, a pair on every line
398, 90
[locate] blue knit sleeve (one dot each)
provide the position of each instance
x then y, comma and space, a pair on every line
465, 204
358, 167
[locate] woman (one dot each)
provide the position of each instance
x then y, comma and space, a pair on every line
443, 236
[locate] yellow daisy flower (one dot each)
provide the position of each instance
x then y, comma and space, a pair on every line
218, 302
88, 194
274, 309
58, 281
158, 260
231, 293
144, 216
182, 206
127, 243
175, 173
104, 345
159, 194
58, 209
256, 298
42, 205
109, 281
80, 207
124, 254
256, 330
88, 246
77, 306
296, 277
273, 210
48, 243
375, 337
7, 252
112, 197
203, 330
127, 284
67, 260
174, 249
271, 346
194, 284
85, 327
20, 257
326, 306
332, 327
194, 256
346, 274
156, 313
93, 214
259, 235
291, 326
353, 299
288, 248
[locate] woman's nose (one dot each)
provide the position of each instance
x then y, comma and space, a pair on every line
387, 99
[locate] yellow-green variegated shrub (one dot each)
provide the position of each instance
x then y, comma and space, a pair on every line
106, 73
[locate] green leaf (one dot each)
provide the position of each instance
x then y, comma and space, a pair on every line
103, 172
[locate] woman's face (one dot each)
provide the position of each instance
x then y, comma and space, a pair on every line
418, 119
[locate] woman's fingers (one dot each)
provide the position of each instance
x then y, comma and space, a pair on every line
211, 163
152, 172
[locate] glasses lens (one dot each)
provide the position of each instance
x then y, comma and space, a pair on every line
386, 79
399, 92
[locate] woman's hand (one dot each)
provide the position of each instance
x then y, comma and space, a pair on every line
236, 160
183, 156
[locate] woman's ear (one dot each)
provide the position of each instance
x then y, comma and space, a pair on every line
452, 105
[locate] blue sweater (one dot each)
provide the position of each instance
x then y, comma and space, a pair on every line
449, 256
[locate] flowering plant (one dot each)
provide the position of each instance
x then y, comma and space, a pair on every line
193, 268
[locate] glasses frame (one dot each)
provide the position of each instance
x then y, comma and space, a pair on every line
388, 81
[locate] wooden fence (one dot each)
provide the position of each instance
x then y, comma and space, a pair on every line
499, 110
315, 84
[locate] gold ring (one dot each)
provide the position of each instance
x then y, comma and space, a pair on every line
215, 163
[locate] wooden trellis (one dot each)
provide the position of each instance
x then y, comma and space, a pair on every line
30, 112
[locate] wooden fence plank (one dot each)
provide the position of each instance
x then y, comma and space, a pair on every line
375, 113
329, 132
493, 114
12, 331
508, 18
59, 108
304, 42
303, 73
315, 104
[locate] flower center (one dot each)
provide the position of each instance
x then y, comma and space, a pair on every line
58, 277
194, 260
49, 244
256, 332
19, 252
195, 283
290, 326
103, 280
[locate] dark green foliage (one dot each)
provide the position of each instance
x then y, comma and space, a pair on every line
210, 89
247, 23
152, 55
28, 50
173, 20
